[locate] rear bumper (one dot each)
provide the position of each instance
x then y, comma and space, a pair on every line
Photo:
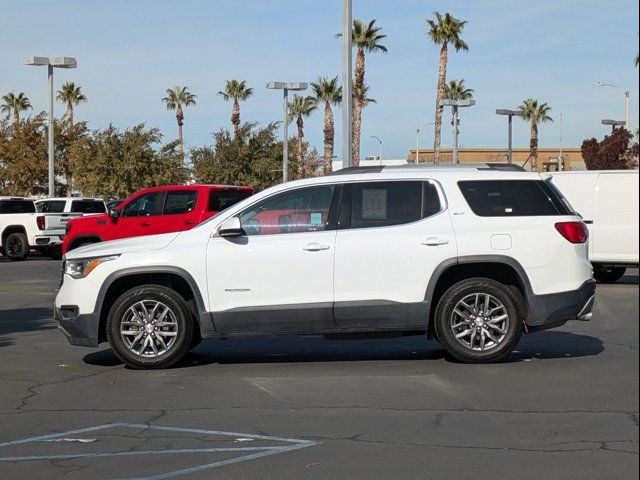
548, 311
81, 330
48, 240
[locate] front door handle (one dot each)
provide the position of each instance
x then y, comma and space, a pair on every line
435, 242
315, 247
145, 224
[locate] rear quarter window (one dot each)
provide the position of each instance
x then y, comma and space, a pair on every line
512, 198
222, 199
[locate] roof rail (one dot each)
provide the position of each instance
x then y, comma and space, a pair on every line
505, 167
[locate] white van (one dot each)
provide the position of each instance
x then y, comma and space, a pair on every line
608, 203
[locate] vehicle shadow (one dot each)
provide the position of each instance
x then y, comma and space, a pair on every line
629, 280
24, 320
298, 349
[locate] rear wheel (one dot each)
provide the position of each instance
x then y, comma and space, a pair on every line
478, 320
150, 327
608, 274
16, 246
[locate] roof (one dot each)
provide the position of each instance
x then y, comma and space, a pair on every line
15, 198
64, 199
197, 186
412, 167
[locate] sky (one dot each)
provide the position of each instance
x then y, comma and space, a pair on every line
130, 51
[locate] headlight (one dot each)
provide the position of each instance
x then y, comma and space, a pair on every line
82, 267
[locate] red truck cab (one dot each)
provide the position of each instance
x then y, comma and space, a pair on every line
153, 211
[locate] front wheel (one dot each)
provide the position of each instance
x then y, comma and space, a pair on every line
477, 320
150, 327
608, 274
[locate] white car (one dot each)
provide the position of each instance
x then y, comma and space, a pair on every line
22, 229
608, 202
470, 256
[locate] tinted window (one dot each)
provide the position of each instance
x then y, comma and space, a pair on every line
219, 200
301, 210
143, 206
52, 206
510, 198
87, 206
383, 204
180, 201
17, 206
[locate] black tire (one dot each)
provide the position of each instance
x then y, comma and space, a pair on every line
56, 252
16, 246
512, 304
179, 312
608, 274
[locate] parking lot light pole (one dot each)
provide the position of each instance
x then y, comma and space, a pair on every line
347, 83
51, 63
626, 97
613, 123
510, 114
285, 87
380, 142
418, 130
456, 104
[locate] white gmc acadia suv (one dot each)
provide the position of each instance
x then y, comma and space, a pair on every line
470, 256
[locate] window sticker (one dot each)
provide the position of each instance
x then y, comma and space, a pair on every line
315, 218
374, 204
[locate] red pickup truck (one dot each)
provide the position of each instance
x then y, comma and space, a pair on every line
153, 211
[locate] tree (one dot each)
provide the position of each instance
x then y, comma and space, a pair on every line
253, 157
366, 39
238, 92
328, 92
535, 113
444, 31
16, 104
175, 99
118, 163
457, 90
299, 108
71, 95
614, 152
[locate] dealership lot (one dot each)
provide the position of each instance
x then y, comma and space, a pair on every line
566, 406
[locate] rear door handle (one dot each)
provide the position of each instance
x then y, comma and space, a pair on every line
435, 242
315, 247
189, 222
145, 224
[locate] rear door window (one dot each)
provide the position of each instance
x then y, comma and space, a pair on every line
88, 206
17, 206
179, 202
384, 204
51, 206
222, 199
512, 198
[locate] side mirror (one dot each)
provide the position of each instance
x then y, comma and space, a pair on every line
114, 214
231, 227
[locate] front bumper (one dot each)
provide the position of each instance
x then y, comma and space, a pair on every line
81, 330
548, 311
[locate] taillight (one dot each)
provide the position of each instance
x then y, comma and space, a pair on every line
40, 222
575, 232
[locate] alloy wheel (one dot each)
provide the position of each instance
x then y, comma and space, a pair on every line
149, 328
479, 322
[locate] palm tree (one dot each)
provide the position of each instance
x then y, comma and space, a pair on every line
16, 104
366, 100
328, 92
444, 31
72, 96
457, 90
536, 113
238, 92
366, 38
175, 99
299, 108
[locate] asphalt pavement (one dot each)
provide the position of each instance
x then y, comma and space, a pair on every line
564, 407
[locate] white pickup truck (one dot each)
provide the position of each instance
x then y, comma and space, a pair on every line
27, 225
608, 203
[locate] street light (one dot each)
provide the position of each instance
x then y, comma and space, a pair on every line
626, 97
347, 83
285, 87
380, 142
613, 123
418, 130
455, 104
510, 114
51, 63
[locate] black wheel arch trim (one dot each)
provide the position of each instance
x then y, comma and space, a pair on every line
85, 237
204, 317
